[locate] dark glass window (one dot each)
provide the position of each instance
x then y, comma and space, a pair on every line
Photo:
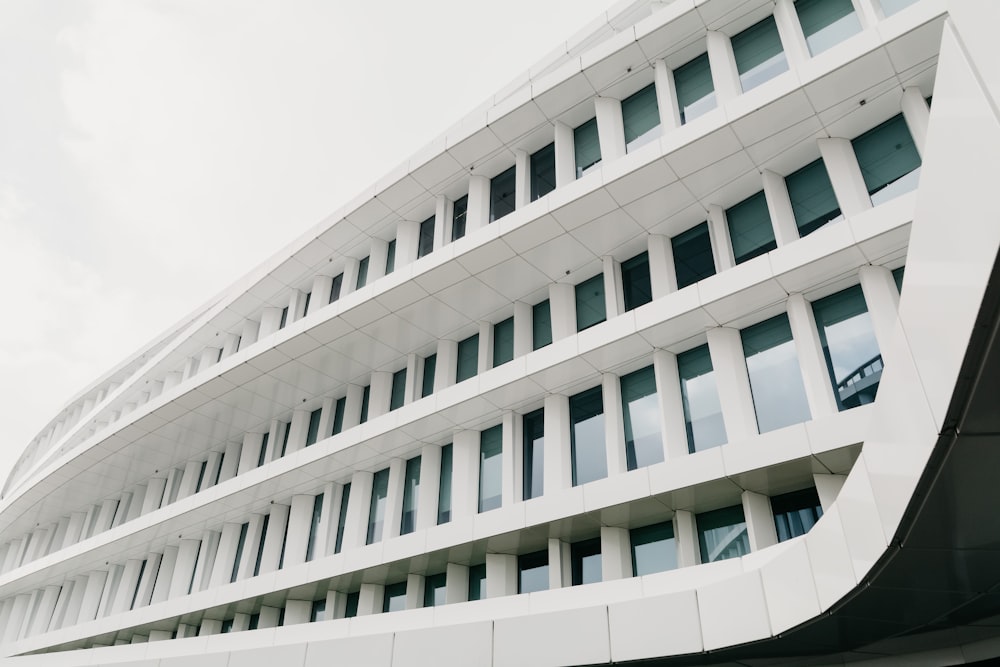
795, 513
477, 582
700, 397
459, 211
254, 621
779, 397
365, 398
352, 604
888, 159
284, 437
502, 194
338, 281
312, 435
533, 572
695, 90
227, 626
345, 496
491, 468
444, 487
897, 275
590, 306
362, 273
587, 146
503, 342
585, 562
263, 450
398, 393
411, 490
318, 608
390, 257
541, 325
813, 201
314, 527
640, 407
750, 228
394, 598
240, 546
852, 354
653, 548
533, 434
284, 318
586, 416
636, 283
427, 382
376, 510
338, 415
826, 23
758, 52
425, 242
468, 358
641, 117
305, 307
260, 545
722, 534
435, 590
693, 259
543, 171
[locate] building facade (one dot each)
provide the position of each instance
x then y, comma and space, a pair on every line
623, 367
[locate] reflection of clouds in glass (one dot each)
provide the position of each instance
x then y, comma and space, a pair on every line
703, 411
779, 396
591, 462
851, 343
644, 417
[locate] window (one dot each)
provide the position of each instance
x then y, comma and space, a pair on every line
376, 510
477, 582
502, 194
260, 545
590, 306
394, 598
305, 306
795, 513
693, 259
643, 439
425, 240
533, 435
390, 257
411, 489
543, 171
695, 90
813, 201
318, 608
636, 284
779, 397
759, 56
541, 325
240, 546
849, 346
641, 117
444, 488
398, 393
890, 7
888, 159
427, 382
897, 275
722, 534
826, 23
338, 415
365, 398
227, 626
458, 215
586, 417
287, 428
335, 285
585, 562
435, 590
700, 397
362, 273
352, 604
587, 147
533, 572
312, 435
750, 228
491, 468
284, 318
314, 527
503, 342
345, 496
653, 548
468, 358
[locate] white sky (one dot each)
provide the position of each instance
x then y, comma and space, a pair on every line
153, 151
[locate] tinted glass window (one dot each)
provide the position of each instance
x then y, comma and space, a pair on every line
541, 325
758, 52
813, 201
543, 171
636, 283
702, 410
641, 410
653, 548
852, 354
779, 397
503, 342
795, 513
586, 415
590, 306
502, 194
641, 118
693, 259
490, 468
750, 228
826, 23
533, 433
695, 90
722, 534
587, 146
468, 358
888, 159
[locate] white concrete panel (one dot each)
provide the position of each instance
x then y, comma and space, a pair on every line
578, 637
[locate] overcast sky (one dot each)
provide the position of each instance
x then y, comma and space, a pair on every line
153, 151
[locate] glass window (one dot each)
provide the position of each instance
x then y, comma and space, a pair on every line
543, 171
750, 228
759, 56
312, 434
641, 117
398, 393
490, 468
890, 7
284, 318
587, 146
318, 608
286, 429
240, 546
585, 562
533, 434
779, 397
305, 307
636, 283
227, 626
503, 342
653, 548
541, 325
362, 273
390, 257
477, 582
263, 450
425, 241
795, 513
849, 346
502, 194
586, 417
411, 488
338, 415
314, 527
459, 210
376, 510
722, 534
695, 90
888, 159
826, 23
395, 597
590, 307
813, 201
533, 572
468, 358
260, 545
345, 496
435, 590
365, 398
700, 396
693, 259
427, 382
335, 285
444, 488
640, 407
897, 275
352, 604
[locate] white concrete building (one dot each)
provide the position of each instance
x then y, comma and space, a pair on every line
623, 367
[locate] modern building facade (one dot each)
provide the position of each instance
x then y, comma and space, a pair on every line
622, 368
